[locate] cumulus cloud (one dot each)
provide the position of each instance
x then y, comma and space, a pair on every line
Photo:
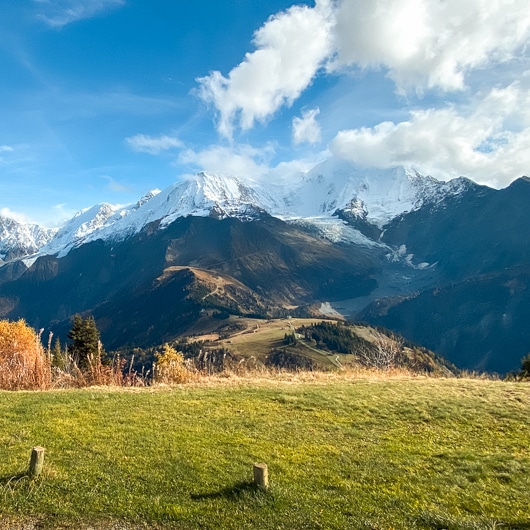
293, 170
153, 145
245, 161
420, 44
59, 13
486, 142
290, 49
306, 128
425, 44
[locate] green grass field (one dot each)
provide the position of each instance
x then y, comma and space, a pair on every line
361, 453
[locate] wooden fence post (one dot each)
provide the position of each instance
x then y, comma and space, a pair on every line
36, 462
261, 476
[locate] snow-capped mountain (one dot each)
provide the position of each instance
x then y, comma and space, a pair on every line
375, 196
201, 196
444, 263
18, 239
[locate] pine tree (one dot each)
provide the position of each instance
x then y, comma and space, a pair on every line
58, 355
86, 345
525, 366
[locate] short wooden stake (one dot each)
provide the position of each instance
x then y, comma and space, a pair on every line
36, 462
261, 476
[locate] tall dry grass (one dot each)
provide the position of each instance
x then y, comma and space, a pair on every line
115, 372
26, 365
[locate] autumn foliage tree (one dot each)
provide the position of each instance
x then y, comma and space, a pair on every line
23, 362
169, 367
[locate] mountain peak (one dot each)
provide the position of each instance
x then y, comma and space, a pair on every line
524, 180
147, 197
334, 186
378, 195
18, 239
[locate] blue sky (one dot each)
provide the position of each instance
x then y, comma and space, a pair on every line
103, 100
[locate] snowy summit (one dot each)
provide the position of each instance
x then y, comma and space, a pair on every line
376, 196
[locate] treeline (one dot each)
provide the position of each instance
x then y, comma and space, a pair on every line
26, 363
335, 337
383, 350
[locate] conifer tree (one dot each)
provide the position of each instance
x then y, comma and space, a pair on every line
86, 346
525, 366
58, 355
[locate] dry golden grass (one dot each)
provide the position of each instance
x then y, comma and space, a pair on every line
265, 376
26, 365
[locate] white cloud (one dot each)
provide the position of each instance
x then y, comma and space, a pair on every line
9, 158
17, 216
59, 214
306, 128
249, 163
153, 145
291, 47
420, 44
487, 142
293, 170
430, 43
59, 13
238, 160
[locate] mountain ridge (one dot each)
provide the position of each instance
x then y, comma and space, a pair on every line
331, 188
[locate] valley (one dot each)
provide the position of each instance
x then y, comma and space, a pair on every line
437, 262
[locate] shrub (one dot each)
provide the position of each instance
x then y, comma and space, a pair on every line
169, 367
23, 363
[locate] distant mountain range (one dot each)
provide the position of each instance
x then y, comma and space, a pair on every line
446, 264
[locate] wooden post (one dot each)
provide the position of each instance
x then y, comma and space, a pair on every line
36, 462
261, 476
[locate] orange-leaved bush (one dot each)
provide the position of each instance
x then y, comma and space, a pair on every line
23, 363
170, 367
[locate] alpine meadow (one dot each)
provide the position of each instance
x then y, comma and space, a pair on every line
265, 265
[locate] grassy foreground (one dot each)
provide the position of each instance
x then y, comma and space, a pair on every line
363, 453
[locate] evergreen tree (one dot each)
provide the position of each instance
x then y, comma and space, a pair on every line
525, 366
58, 355
86, 345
